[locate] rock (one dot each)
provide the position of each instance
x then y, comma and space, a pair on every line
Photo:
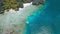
1, 11
28, 1
1, 0
37, 2
41, 1
21, 5
24, 1
1, 4
18, 0
1, 8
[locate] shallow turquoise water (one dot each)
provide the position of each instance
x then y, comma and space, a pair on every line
45, 21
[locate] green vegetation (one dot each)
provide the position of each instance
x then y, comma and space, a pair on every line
15, 4
10, 4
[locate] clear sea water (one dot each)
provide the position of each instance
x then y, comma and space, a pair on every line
45, 21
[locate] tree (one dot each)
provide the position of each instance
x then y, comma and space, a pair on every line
14, 4
11, 4
6, 4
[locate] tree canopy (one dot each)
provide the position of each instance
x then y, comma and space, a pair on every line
15, 4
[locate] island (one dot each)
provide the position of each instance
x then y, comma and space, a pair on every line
16, 4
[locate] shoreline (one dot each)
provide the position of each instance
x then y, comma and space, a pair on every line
20, 9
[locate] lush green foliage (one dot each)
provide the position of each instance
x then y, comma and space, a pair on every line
15, 4
9, 4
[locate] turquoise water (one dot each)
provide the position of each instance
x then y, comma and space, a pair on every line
45, 21
18, 18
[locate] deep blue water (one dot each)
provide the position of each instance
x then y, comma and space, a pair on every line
50, 16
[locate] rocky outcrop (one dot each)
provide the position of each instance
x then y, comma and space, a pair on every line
19, 0
37, 2
28, 1
1, 7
